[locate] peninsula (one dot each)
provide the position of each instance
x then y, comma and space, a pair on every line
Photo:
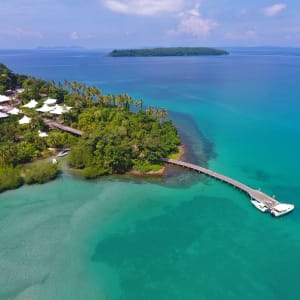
105, 134
172, 51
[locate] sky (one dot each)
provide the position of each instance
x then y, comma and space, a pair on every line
109, 24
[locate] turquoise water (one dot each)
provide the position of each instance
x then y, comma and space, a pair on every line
182, 237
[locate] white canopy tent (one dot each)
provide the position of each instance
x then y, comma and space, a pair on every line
50, 101
59, 110
4, 98
45, 108
3, 115
25, 120
20, 90
14, 111
31, 104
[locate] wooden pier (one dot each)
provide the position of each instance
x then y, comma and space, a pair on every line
69, 129
257, 195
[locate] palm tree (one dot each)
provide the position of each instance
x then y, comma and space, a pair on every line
164, 112
139, 104
149, 110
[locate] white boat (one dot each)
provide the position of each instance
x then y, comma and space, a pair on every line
282, 209
63, 153
259, 205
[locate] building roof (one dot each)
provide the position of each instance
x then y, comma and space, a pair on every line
31, 104
25, 120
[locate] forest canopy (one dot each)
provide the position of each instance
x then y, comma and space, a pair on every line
173, 51
119, 133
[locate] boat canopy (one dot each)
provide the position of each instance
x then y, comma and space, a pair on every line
282, 207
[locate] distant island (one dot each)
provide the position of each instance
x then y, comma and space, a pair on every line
104, 134
173, 51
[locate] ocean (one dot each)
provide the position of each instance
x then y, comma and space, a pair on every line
184, 236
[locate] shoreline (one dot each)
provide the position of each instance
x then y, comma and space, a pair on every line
76, 172
161, 171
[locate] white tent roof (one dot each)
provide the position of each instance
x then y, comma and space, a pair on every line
25, 120
31, 104
3, 115
50, 101
45, 108
60, 109
4, 98
14, 111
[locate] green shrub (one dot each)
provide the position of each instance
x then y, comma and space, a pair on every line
41, 173
9, 178
93, 172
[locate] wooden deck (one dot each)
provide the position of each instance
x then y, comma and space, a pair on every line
52, 123
257, 195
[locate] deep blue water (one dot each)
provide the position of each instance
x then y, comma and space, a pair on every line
188, 237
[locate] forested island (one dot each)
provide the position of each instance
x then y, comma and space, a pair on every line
172, 51
119, 134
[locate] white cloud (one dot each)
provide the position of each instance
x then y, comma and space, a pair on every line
242, 13
195, 26
74, 35
274, 10
241, 36
195, 11
21, 33
143, 7
192, 23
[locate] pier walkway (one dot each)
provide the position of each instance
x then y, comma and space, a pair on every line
257, 195
52, 123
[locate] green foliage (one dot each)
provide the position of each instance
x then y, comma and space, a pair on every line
41, 173
144, 166
119, 133
117, 140
9, 178
25, 152
173, 51
8, 79
58, 139
93, 172
78, 158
